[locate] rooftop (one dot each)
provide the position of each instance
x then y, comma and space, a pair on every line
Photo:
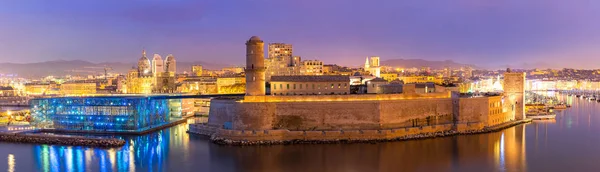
311, 78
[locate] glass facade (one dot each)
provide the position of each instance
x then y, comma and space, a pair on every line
124, 113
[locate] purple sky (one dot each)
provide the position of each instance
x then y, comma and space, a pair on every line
480, 32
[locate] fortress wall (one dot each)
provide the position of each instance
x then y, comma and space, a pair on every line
414, 112
326, 115
221, 111
346, 115
331, 115
253, 116
473, 110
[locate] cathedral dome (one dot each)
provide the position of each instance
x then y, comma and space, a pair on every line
144, 64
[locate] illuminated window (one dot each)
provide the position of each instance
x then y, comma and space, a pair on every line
339, 85
331, 85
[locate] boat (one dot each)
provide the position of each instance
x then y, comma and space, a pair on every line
559, 106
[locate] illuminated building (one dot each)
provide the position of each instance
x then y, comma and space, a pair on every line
447, 72
138, 84
160, 79
310, 85
389, 76
421, 79
372, 66
233, 70
199, 85
197, 70
164, 83
255, 67
467, 72
374, 85
108, 113
78, 88
311, 67
7, 92
280, 50
228, 85
280, 61
37, 88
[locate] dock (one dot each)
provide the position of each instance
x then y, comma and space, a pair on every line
541, 117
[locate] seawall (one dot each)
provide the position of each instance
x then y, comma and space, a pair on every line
61, 140
284, 136
333, 112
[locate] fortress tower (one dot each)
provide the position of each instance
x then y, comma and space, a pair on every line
255, 67
514, 90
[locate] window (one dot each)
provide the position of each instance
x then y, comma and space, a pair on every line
339, 85
313, 86
274, 86
294, 86
300, 86
280, 87
288, 86
331, 85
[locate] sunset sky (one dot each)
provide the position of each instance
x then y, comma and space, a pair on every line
487, 33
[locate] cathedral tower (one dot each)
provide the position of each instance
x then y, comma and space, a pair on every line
255, 67
157, 65
170, 64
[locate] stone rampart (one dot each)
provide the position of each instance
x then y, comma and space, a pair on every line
332, 112
282, 136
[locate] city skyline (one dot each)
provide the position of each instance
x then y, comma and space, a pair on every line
486, 34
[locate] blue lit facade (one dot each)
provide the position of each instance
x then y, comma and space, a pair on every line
108, 113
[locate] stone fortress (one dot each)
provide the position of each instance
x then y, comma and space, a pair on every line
260, 118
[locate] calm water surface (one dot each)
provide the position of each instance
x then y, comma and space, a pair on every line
569, 143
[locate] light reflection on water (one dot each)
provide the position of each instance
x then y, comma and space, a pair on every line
568, 143
145, 151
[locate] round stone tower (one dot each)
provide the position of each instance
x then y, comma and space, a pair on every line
255, 67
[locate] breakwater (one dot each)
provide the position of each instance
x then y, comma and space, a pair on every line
267, 137
61, 140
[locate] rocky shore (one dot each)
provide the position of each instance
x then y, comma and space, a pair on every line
224, 141
241, 142
62, 140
